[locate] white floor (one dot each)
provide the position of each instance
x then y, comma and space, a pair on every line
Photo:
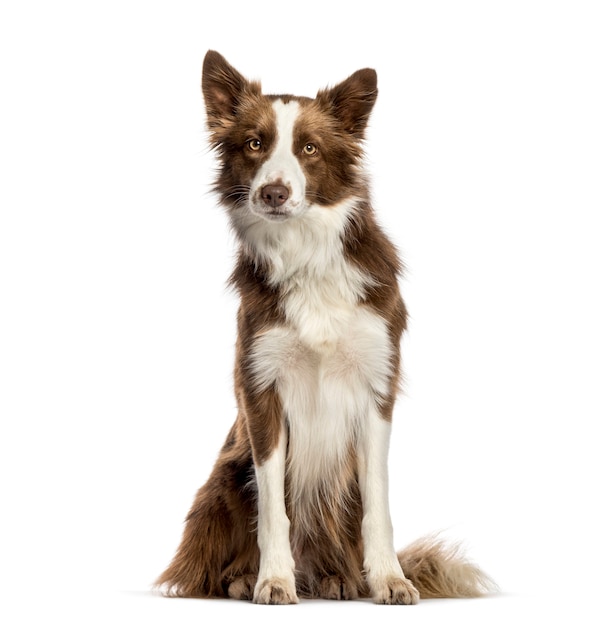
126, 608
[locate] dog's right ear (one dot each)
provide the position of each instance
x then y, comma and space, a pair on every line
222, 88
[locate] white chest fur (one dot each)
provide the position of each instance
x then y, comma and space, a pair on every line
331, 360
326, 394
320, 289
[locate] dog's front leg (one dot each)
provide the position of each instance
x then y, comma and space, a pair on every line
276, 581
265, 422
384, 574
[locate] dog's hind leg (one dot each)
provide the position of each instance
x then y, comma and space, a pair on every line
219, 543
241, 587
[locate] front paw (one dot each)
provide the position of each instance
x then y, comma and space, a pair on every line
275, 591
395, 591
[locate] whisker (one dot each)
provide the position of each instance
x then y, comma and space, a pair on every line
237, 195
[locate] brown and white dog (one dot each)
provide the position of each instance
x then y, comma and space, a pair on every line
297, 503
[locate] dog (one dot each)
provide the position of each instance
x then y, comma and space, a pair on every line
297, 502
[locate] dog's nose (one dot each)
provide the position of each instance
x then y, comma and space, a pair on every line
275, 195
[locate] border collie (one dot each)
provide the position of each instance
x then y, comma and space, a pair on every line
297, 503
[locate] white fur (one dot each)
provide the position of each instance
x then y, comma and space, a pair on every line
276, 561
380, 560
327, 395
281, 166
306, 261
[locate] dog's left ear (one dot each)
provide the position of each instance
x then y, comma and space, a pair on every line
352, 100
222, 86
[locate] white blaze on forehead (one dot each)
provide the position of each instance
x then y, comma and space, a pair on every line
286, 114
282, 165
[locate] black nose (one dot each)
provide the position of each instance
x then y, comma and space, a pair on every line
275, 195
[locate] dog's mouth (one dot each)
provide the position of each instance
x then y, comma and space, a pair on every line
276, 216
273, 214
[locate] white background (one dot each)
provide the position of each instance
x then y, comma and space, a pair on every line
117, 332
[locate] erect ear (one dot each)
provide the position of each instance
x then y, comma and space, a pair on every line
222, 87
352, 100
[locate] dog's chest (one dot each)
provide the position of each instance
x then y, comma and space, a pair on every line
321, 311
330, 355
320, 290
330, 364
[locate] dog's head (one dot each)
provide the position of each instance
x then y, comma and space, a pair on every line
281, 155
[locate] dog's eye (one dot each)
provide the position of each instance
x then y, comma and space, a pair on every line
310, 149
254, 145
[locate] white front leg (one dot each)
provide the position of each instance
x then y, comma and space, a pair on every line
276, 581
384, 573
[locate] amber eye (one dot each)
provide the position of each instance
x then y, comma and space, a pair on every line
310, 149
254, 145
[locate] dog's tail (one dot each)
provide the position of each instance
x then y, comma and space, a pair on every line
439, 569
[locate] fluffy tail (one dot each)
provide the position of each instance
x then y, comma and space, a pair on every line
440, 570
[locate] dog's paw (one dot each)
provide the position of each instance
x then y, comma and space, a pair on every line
241, 588
336, 588
395, 591
275, 591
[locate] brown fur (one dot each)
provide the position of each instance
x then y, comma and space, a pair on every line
218, 555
